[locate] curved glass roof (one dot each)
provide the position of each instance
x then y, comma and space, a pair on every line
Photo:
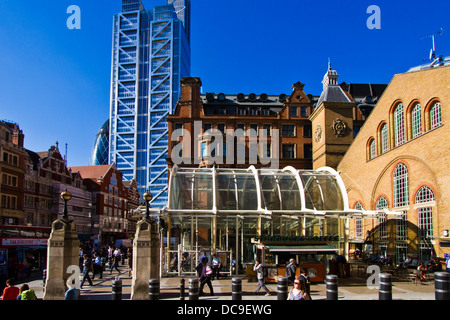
256, 191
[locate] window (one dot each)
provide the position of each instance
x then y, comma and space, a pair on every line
384, 139
416, 117
293, 111
382, 230
358, 222
373, 149
307, 131
266, 130
307, 151
303, 112
288, 151
401, 227
435, 115
425, 195
288, 130
400, 185
399, 125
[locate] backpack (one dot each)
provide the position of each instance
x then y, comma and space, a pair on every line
28, 295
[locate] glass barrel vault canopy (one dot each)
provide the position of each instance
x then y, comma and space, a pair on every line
257, 191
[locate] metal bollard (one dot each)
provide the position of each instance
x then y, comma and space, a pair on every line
331, 281
282, 288
153, 289
385, 291
193, 289
117, 289
236, 289
442, 285
182, 281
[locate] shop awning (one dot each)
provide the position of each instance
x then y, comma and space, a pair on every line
319, 248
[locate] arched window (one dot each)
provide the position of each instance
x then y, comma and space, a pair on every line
384, 138
400, 185
399, 125
416, 117
435, 115
425, 213
382, 203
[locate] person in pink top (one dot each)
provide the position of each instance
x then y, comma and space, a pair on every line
10, 292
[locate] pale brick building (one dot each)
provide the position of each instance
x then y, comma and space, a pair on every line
400, 161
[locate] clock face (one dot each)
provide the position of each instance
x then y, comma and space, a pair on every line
312, 273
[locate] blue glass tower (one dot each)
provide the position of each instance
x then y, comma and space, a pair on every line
99, 154
150, 55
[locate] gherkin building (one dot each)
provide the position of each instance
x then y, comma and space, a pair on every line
100, 150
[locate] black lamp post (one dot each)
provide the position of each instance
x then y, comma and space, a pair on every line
66, 196
147, 197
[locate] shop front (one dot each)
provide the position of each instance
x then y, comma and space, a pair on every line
313, 253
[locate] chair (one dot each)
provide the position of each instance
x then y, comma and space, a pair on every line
414, 276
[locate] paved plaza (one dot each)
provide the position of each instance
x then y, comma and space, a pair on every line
351, 288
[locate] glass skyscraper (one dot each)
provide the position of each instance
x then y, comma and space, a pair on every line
99, 154
150, 55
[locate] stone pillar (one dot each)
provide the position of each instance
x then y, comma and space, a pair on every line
146, 247
62, 252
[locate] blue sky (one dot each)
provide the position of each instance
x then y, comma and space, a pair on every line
55, 82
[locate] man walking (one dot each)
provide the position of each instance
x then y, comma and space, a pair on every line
259, 268
216, 264
290, 271
87, 266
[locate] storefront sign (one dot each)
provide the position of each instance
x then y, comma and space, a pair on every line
23, 242
295, 238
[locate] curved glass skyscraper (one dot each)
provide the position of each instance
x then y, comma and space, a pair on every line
99, 155
150, 55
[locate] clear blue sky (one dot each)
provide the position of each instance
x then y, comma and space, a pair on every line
55, 82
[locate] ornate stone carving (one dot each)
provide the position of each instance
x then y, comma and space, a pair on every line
340, 128
318, 133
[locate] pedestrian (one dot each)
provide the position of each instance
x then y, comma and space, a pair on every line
25, 293
447, 262
205, 276
259, 268
87, 266
217, 264
110, 255
98, 267
290, 271
129, 261
10, 292
115, 261
303, 277
298, 292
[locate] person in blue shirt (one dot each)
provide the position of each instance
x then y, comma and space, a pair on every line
216, 265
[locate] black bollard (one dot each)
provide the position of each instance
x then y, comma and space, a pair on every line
331, 281
282, 288
44, 276
442, 285
193, 289
385, 291
117, 289
182, 281
236, 289
153, 289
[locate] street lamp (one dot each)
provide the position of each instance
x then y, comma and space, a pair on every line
66, 196
147, 197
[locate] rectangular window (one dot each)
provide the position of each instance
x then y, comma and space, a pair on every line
288, 130
307, 131
307, 151
293, 111
288, 151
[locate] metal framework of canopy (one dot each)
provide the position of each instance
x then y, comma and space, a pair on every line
262, 192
